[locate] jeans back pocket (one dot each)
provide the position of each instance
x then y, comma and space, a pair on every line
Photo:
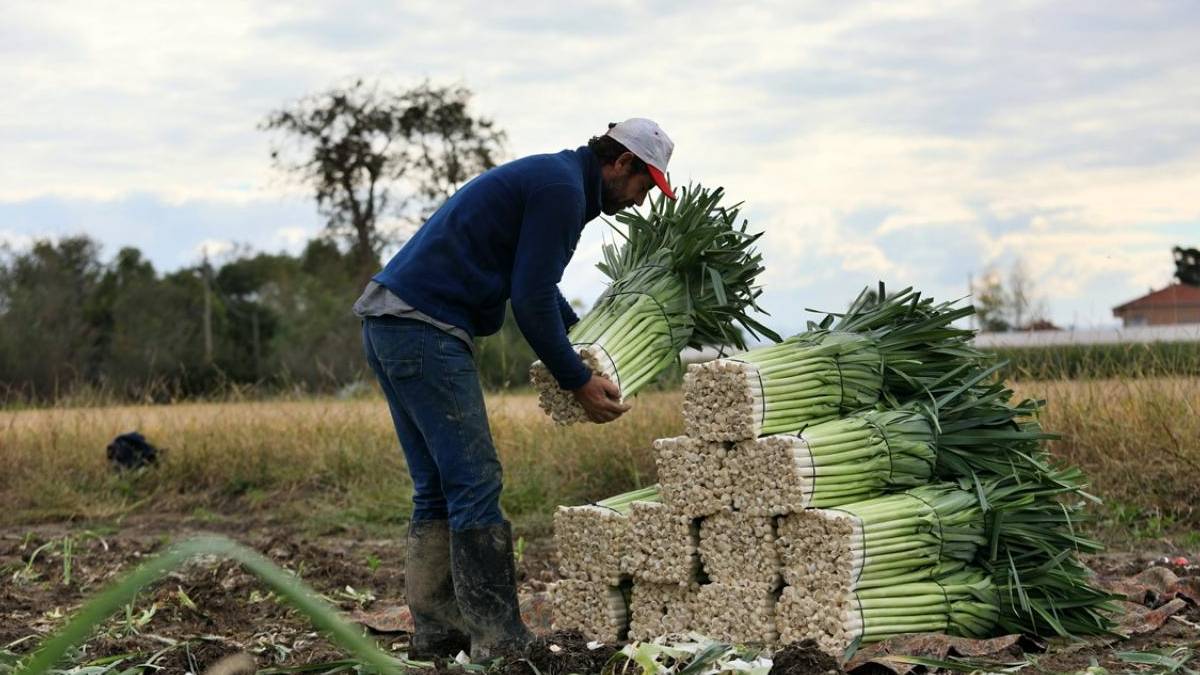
399, 346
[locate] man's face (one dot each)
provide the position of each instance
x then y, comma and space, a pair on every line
622, 186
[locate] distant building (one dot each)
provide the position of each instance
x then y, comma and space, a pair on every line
1173, 305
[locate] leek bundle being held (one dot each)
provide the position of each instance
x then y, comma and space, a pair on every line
684, 276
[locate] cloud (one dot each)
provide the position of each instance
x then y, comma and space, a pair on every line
213, 249
918, 142
15, 241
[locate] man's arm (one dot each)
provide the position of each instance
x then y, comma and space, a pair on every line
569, 317
547, 239
544, 247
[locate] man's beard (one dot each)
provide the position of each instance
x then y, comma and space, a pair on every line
608, 200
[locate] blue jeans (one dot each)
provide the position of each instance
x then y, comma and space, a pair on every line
432, 388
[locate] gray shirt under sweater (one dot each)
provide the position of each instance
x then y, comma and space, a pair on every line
377, 300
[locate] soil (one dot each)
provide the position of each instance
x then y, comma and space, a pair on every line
210, 608
559, 653
803, 658
213, 609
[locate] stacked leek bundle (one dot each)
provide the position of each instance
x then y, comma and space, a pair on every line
882, 347
685, 276
921, 501
593, 595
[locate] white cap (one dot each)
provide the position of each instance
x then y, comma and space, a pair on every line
646, 140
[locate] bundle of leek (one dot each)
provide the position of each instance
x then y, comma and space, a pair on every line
685, 275
694, 474
1034, 530
915, 535
591, 539
596, 609
881, 346
832, 463
960, 603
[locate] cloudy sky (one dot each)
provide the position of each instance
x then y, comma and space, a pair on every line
916, 142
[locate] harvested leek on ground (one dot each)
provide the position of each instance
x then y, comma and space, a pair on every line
806, 379
591, 539
963, 603
694, 475
685, 275
594, 608
663, 609
662, 545
915, 535
832, 463
736, 546
881, 346
1034, 529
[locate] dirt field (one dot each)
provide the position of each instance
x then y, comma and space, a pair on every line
319, 486
214, 609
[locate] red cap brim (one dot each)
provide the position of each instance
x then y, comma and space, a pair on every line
661, 181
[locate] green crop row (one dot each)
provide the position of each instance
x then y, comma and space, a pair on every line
1059, 362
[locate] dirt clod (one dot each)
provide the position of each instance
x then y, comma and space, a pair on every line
558, 653
804, 658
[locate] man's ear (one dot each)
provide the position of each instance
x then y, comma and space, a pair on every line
623, 162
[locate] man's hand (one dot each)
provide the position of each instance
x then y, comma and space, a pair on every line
601, 399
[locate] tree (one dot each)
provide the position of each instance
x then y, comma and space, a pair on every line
991, 302
48, 336
370, 153
1002, 307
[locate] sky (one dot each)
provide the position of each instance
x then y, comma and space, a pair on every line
919, 143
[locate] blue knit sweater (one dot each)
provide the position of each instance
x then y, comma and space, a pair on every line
507, 234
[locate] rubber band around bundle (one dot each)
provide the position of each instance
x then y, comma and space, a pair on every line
762, 387
863, 529
837, 363
945, 599
616, 372
662, 310
937, 516
862, 620
887, 444
602, 506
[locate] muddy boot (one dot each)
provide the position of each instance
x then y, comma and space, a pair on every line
438, 628
485, 579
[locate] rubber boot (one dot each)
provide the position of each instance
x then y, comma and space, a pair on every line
438, 627
485, 580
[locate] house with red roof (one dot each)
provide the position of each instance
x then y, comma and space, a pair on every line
1175, 304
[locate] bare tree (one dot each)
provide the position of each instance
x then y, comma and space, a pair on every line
991, 302
371, 153
1003, 306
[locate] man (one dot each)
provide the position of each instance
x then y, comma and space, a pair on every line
506, 235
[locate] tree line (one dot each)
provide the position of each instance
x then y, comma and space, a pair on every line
377, 160
71, 323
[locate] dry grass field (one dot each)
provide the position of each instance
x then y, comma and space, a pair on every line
319, 486
337, 461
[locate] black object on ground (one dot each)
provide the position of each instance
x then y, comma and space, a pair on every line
131, 451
